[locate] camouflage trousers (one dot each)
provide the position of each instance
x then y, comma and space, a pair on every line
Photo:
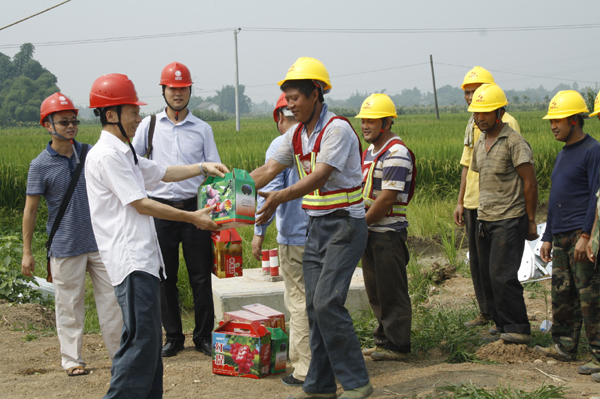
575, 296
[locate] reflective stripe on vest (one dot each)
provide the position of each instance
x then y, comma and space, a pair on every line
318, 199
399, 208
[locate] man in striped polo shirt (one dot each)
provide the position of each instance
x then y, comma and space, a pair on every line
388, 174
74, 250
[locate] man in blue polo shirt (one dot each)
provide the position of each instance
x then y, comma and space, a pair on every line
292, 223
74, 250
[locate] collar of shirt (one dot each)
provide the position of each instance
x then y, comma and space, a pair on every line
323, 119
188, 118
112, 140
54, 153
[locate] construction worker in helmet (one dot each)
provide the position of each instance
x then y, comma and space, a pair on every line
506, 213
571, 211
388, 185
292, 222
72, 248
176, 137
122, 218
465, 213
326, 152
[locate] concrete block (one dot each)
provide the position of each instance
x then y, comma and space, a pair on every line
232, 293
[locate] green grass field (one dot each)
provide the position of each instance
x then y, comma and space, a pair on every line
437, 146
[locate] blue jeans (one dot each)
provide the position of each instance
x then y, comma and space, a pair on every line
137, 368
333, 249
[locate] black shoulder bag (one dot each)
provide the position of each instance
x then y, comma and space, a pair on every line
63, 207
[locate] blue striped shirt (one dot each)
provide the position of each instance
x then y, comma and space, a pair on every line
392, 172
50, 175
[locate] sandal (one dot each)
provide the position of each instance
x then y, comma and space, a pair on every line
71, 371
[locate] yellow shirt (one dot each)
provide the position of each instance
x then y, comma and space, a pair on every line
471, 199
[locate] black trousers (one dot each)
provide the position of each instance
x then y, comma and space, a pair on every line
198, 255
470, 216
384, 270
500, 246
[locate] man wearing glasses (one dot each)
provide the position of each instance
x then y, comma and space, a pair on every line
73, 250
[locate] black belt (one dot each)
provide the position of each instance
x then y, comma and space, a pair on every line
337, 213
177, 204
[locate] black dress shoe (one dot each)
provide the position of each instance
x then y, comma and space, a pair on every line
171, 348
204, 347
292, 381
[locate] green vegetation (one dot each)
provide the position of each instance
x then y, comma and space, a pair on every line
471, 390
24, 84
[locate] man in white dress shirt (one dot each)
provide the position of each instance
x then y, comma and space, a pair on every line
117, 180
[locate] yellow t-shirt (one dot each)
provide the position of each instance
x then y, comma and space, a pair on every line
471, 199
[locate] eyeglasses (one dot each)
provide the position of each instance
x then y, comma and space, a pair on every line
67, 123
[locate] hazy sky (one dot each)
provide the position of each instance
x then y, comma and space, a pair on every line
366, 62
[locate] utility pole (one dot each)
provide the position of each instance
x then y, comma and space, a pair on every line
237, 82
437, 111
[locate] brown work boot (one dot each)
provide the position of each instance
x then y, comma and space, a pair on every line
387, 354
591, 367
358, 393
555, 352
515, 338
478, 321
370, 351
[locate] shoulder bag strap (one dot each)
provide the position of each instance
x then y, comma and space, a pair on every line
64, 204
151, 135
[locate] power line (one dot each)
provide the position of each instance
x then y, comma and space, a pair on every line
519, 74
319, 30
36, 14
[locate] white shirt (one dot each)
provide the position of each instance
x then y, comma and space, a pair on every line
189, 141
126, 239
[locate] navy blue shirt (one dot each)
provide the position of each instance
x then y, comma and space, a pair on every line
50, 176
575, 182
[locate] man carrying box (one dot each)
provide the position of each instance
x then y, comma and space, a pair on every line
326, 151
179, 138
292, 224
388, 175
122, 220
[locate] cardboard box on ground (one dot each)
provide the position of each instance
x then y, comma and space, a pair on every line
237, 340
234, 196
227, 253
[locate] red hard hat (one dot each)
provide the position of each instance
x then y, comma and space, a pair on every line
55, 103
176, 75
281, 102
113, 89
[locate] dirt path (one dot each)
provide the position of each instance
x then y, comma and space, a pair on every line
30, 366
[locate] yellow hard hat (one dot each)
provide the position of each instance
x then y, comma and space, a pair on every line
377, 106
487, 98
566, 103
596, 106
308, 68
477, 75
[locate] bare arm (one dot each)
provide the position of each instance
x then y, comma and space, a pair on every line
29, 217
591, 255
527, 173
183, 172
201, 218
310, 183
381, 206
459, 211
264, 174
